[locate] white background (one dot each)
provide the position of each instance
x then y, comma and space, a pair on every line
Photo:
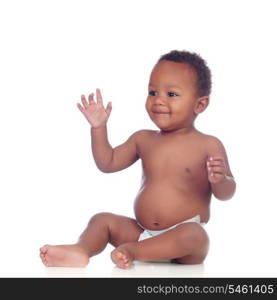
53, 51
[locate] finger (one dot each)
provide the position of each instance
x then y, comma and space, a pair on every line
84, 101
215, 178
109, 108
215, 158
217, 170
99, 96
80, 107
215, 163
91, 99
216, 174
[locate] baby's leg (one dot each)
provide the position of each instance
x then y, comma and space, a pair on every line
187, 243
102, 228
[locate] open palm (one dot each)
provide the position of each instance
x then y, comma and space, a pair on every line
95, 112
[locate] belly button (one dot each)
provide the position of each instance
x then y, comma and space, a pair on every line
156, 224
187, 170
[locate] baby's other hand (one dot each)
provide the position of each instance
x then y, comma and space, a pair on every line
95, 112
216, 169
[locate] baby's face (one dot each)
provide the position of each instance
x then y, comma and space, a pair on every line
172, 95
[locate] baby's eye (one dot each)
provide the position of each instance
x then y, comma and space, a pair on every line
171, 94
152, 93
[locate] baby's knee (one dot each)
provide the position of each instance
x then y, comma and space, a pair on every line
103, 217
194, 234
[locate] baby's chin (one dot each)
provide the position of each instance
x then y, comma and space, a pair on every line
164, 123
162, 127
166, 128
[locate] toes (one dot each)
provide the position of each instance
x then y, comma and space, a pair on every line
48, 261
125, 260
44, 249
44, 260
44, 255
126, 265
121, 259
119, 254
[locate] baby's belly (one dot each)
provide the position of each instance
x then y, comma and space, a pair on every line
161, 206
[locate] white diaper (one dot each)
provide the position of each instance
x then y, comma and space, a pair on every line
146, 234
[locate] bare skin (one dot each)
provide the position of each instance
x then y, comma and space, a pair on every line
182, 168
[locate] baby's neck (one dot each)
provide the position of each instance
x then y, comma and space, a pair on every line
179, 131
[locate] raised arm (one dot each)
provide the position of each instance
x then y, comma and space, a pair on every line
110, 159
219, 174
106, 158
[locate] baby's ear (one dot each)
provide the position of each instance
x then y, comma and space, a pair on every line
201, 104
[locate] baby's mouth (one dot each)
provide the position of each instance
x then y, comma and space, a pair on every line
158, 112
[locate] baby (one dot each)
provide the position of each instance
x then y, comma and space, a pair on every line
182, 168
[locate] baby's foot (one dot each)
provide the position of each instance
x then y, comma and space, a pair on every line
63, 256
122, 257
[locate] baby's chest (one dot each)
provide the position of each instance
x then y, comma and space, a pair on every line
179, 160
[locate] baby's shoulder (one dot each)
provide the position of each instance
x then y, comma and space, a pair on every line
211, 143
210, 139
144, 133
143, 136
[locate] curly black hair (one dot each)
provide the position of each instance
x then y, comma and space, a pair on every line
204, 82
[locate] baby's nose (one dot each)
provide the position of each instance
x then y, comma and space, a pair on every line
159, 100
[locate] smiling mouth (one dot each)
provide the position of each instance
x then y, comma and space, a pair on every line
160, 112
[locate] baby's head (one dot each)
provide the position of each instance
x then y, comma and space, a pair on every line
179, 89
